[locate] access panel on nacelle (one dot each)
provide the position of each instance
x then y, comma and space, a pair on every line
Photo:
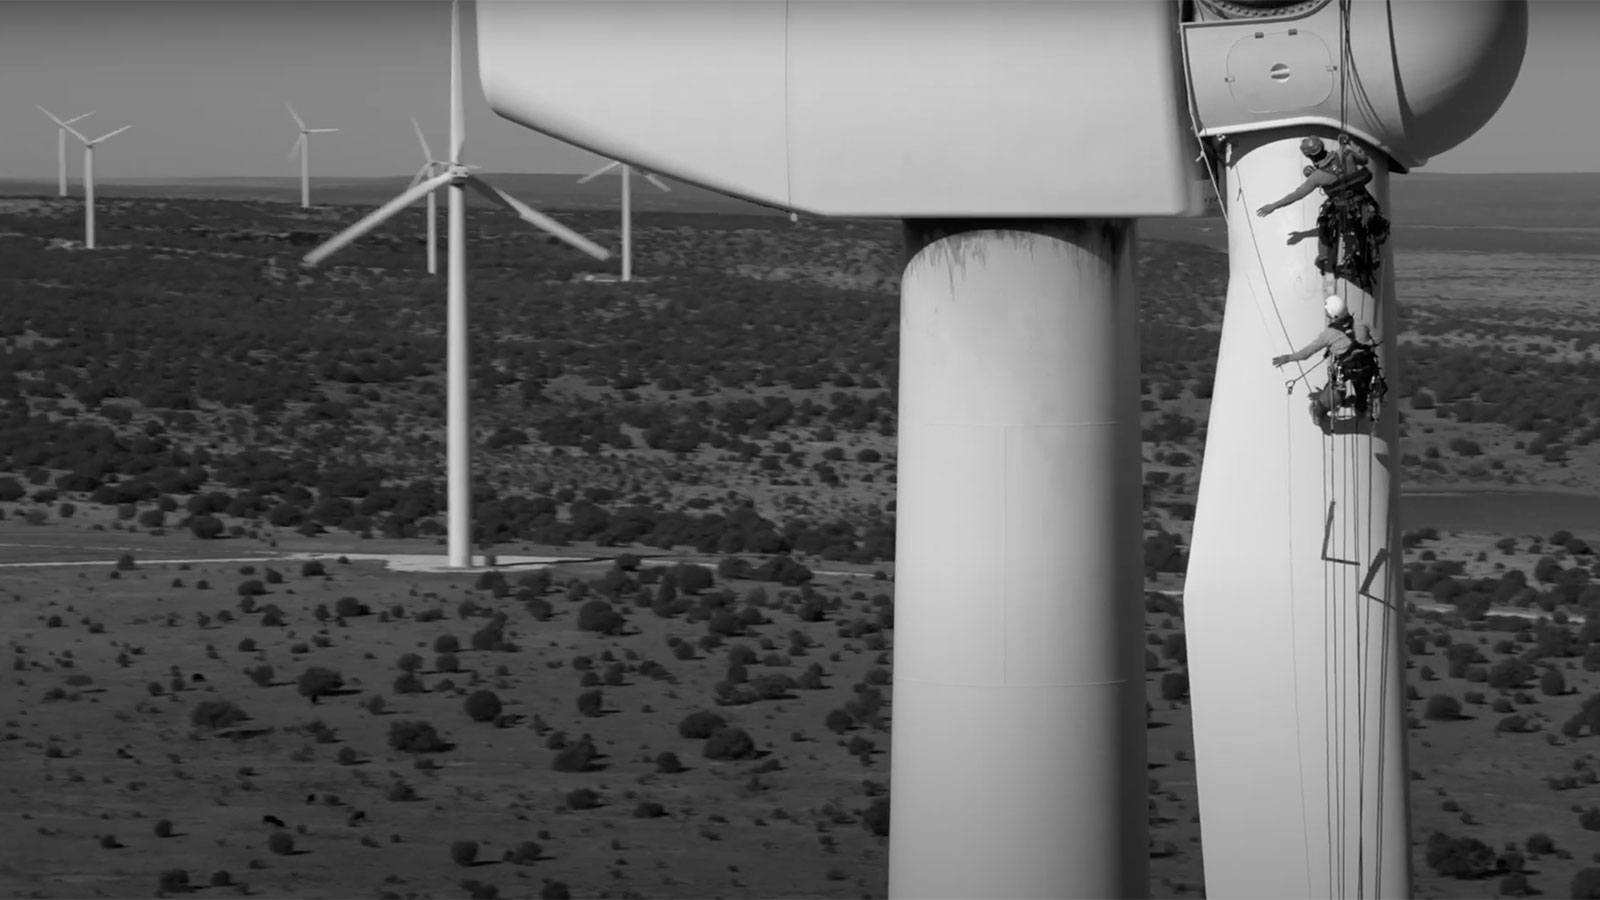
888, 108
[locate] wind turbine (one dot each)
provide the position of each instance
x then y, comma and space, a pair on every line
61, 148
458, 177
88, 174
430, 168
627, 208
302, 146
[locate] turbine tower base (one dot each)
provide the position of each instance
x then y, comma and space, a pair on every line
1018, 757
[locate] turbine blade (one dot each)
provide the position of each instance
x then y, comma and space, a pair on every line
110, 134
657, 182
375, 218
538, 219
76, 118
457, 124
321, 130
298, 143
598, 172
297, 120
75, 132
422, 173
427, 153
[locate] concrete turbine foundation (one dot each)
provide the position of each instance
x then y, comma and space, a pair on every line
1293, 601
1018, 756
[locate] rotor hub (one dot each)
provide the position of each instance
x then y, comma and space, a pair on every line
1259, 9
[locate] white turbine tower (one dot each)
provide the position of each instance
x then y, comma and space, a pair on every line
430, 168
302, 146
61, 147
458, 177
88, 174
627, 208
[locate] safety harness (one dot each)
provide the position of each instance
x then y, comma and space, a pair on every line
1350, 225
1356, 365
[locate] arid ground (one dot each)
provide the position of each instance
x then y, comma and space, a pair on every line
216, 681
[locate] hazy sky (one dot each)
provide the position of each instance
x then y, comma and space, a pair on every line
203, 82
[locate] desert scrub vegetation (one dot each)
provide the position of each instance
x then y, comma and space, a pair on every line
415, 737
216, 714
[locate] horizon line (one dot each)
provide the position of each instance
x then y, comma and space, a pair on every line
147, 179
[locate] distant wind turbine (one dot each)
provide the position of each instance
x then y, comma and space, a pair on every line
458, 178
61, 148
302, 146
627, 208
430, 168
88, 174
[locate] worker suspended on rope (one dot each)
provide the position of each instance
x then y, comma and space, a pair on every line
1350, 228
1354, 377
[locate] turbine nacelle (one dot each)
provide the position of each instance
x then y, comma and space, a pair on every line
879, 108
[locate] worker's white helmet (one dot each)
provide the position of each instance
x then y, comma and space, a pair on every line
1334, 306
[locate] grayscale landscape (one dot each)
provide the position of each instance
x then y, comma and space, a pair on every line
228, 675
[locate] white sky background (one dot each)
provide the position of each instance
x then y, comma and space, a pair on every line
203, 82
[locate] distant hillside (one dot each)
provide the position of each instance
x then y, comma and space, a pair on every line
1425, 199
544, 191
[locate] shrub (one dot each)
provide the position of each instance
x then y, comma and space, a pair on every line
1590, 819
446, 643
1442, 708
318, 682
649, 809
1585, 885
409, 662
464, 853
601, 617
281, 843
729, 743
1175, 686
576, 757
838, 721
1552, 683
415, 737
262, 675
163, 828
173, 881
590, 703
1516, 885
347, 756
313, 568
216, 714
700, 725
483, 706
667, 763
446, 662
875, 818
250, 587
582, 798
350, 608
1540, 843
1508, 674
1459, 857
525, 853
